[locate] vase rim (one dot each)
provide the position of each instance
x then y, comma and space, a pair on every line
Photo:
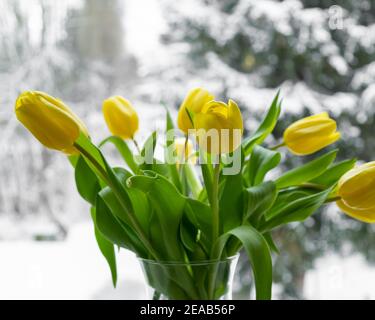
195, 263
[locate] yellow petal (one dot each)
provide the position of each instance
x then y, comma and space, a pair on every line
311, 145
357, 187
311, 134
362, 215
217, 124
193, 102
235, 115
120, 116
49, 120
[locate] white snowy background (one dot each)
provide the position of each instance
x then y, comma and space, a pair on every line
86, 50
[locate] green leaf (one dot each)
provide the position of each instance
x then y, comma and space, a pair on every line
334, 172
207, 175
99, 164
124, 150
116, 231
231, 202
193, 182
199, 214
173, 173
87, 182
148, 151
150, 142
92, 150
106, 248
271, 243
73, 159
261, 162
265, 128
188, 233
285, 197
260, 198
137, 201
168, 205
297, 210
307, 171
259, 255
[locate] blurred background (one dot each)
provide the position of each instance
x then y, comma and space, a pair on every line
321, 53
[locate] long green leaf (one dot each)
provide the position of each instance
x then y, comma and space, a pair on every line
106, 248
188, 233
261, 162
334, 172
207, 175
172, 167
260, 198
266, 127
168, 205
199, 214
116, 230
124, 150
271, 243
138, 202
87, 182
231, 202
259, 255
90, 148
148, 151
192, 180
297, 210
287, 196
307, 171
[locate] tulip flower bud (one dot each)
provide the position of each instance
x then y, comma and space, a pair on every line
49, 120
219, 127
121, 117
357, 191
311, 134
184, 151
194, 102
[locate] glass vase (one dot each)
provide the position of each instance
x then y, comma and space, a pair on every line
197, 280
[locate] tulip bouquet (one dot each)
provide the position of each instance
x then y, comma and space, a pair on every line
188, 215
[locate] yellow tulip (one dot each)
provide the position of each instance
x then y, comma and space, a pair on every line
120, 116
311, 134
184, 151
226, 120
194, 102
49, 120
357, 191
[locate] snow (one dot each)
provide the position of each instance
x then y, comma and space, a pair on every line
335, 277
368, 99
71, 269
144, 26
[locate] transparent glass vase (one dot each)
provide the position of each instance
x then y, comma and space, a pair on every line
197, 280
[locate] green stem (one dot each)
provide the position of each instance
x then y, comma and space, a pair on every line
183, 157
181, 167
215, 202
310, 185
333, 199
136, 145
277, 146
132, 217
